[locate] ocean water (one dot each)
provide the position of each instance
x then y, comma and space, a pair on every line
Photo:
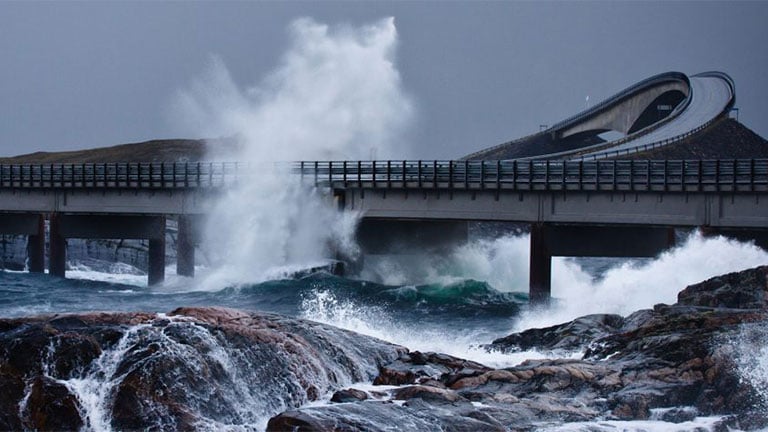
460, 302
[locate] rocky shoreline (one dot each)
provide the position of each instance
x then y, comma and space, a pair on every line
680, 357
214, 367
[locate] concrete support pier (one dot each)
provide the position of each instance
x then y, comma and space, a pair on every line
36, 248
185, 248
156, 264
540, 279
57, 247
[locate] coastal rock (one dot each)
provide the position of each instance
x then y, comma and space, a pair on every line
51, 407
568, 337
194, 366
415, 366
741, 290
349, 395
662, 358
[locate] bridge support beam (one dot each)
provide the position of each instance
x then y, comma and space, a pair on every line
540, 278
156, 264
57, 247
36, 248
185, 248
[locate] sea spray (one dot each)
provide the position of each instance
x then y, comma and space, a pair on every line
750, 349
637, 285
336, 94
503, 262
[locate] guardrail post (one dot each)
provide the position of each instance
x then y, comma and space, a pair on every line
405, 182
482, 174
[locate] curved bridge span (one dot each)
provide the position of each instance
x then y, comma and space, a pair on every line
658, 111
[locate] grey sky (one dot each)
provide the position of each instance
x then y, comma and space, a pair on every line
89, 74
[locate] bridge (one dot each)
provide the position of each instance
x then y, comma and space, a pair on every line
661, 110
578, 201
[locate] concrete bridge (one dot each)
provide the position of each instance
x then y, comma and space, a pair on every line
574, 208
110, 201
576, 202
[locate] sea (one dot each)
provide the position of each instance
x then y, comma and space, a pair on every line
451, 304
336, 94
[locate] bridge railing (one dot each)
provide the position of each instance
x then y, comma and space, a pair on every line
120, 175
742, 175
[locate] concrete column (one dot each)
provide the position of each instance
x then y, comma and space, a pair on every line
57, 249
156, 265
540, 282
185, 248
36, 248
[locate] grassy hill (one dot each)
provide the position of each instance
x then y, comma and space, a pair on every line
170, 150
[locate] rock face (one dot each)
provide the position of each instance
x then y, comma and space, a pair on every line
192, 367
684, 355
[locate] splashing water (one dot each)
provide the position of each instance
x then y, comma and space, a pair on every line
751, 357
503, 262
335, 94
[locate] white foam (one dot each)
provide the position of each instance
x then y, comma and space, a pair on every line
336, 94
750, 351
630, 287
323, 306
699, 424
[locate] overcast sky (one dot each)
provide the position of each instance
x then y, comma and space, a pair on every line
90, 74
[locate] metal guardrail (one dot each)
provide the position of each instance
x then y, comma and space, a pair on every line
734, 175
121, 175
742, 175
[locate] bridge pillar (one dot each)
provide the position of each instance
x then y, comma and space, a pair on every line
540, 281
36, 248
185, 248
57, 250
156, 264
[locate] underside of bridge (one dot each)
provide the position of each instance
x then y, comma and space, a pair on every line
84, 226
547, 240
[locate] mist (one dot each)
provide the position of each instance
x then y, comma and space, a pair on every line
335, 94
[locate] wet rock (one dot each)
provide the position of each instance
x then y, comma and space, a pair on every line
432, 394
51, 407
662, 358
13, 387
194, 366
415, 415
349, 395
679, 415
571, 336
747, 289
414, 366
